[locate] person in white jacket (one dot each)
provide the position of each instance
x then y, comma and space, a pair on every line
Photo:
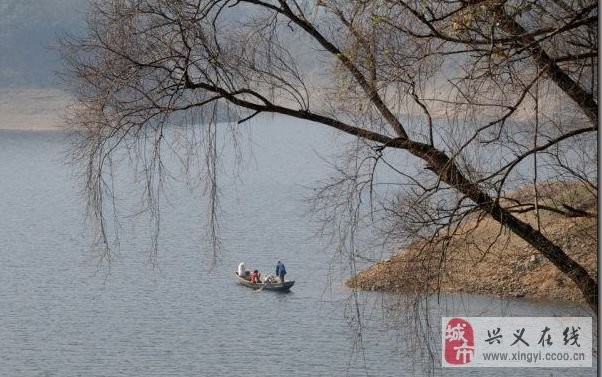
241, 270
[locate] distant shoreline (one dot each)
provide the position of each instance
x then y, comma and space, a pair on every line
33, 109
33, 129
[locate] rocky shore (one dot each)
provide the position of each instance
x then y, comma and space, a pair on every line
489, 260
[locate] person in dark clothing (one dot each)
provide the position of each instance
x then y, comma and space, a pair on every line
280, 271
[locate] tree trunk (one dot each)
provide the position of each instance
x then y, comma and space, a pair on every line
584, 99
449, 173
576, 272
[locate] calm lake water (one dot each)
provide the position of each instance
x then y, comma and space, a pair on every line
62, 315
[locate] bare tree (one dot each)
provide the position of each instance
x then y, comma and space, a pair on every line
475, 97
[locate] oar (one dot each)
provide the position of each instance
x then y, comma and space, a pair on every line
264, 285
261, 289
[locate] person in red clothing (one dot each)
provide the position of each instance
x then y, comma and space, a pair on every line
255, 277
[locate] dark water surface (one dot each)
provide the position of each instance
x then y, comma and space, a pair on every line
60, 315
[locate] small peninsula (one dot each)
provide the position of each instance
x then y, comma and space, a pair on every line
485, 259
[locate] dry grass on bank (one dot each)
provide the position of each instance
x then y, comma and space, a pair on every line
510, 267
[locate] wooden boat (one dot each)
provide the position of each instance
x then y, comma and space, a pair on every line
276, 286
